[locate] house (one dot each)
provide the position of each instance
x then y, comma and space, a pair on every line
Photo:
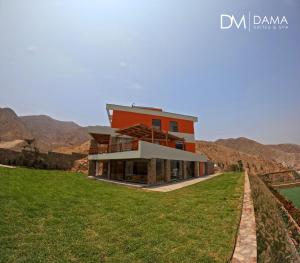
145, 145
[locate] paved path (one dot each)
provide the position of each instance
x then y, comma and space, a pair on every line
7, 166
175, 186
246, 247
136, 185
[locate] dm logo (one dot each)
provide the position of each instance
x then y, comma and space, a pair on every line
227, 21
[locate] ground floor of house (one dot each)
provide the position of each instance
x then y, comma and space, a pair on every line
148, 171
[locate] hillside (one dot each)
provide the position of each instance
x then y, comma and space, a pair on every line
286, 154
289, 148
82, 148
51, 133
12, 127
68, 137
16, 145
225, 157
48, 133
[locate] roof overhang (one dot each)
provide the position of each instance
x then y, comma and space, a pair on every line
149, 111
148, 150
101, 130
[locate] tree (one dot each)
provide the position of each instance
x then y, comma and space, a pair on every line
240, 165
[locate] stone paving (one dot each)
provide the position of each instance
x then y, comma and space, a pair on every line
160, 188
117, 182
246, 245
175, 186
7, 166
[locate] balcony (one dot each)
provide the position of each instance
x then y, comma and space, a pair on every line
143, 150
113, 148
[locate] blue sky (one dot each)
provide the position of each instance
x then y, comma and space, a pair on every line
68, 58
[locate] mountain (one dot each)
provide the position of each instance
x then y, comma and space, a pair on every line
51, 133
11, 127
225, 157
286, 154
67, 137
289, 148
48, 133
82, 148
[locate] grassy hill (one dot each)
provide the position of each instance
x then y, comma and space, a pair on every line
51, 216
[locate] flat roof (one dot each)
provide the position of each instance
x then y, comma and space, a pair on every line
149, 111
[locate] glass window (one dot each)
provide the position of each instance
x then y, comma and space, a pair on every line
179, 145
156, 123
173, 126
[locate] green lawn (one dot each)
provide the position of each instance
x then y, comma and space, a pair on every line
53, 216
292, 194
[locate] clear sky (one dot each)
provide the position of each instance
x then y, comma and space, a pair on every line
67, 58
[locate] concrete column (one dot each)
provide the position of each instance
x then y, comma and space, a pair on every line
92, 168
167, 171
108, 169
202, 168
185, 175
162, 170
151, 178
180, 170
197, 167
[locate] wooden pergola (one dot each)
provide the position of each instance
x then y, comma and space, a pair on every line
101, 138
143, 132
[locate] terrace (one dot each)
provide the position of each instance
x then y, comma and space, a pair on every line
128, 139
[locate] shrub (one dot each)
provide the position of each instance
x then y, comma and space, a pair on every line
273, 239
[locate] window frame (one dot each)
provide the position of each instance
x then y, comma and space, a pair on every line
156, 126
172, 130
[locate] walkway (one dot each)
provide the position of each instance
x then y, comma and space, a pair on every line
175, 186
135, 185
160, 188
246, 246
7, 166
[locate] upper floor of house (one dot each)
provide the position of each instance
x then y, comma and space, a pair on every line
130, 124
124, 116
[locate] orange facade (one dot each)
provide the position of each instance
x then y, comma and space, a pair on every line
124, 119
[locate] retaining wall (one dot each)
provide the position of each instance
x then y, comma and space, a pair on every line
50, 160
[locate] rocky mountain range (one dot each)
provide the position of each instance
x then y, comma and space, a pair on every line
48, 133
286, 154
67, 137
225, 158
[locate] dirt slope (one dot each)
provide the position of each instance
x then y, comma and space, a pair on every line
48, 133
16, 145
286, 154
11, 127
51, 133
82, 148
225, 157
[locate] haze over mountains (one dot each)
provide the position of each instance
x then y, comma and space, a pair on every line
67, 137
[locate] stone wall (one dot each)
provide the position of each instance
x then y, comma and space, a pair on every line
246, 244
50, 160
